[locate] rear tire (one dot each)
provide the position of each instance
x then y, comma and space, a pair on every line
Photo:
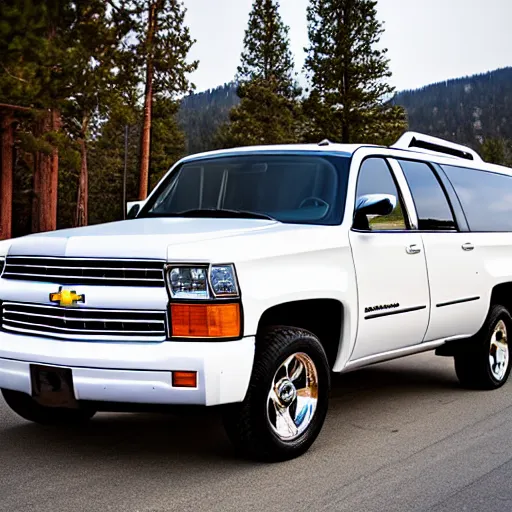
26, 407
485, 362
286, 403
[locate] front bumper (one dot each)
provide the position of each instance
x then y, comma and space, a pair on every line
134, 372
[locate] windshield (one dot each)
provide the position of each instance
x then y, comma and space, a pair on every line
295, 188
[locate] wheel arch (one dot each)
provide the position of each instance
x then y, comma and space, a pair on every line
502, 294
322, 317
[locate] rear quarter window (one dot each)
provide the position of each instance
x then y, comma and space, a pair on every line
486, 197
434, 212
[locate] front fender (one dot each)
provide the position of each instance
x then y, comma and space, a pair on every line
322, 274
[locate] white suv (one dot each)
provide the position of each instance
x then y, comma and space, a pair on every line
249, 275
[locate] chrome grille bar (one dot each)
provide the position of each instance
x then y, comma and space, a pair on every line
83, 322
16, 275
80, 331
83, 319
90, 271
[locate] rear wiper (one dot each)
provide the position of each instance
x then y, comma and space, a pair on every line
217, 214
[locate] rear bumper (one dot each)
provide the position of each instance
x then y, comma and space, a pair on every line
134, 372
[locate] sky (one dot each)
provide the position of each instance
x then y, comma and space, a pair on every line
427, 40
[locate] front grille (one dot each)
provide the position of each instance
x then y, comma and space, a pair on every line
86, 271
82, 323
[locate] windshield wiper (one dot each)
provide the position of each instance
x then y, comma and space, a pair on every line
216, 214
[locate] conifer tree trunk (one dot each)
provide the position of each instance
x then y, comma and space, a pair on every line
345, 128
81, 218
46, 178
145, 145
6, 176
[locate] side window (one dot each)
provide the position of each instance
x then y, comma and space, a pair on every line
434, 212
486, 197
375, 178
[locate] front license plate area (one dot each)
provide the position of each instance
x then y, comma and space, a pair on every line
52, 387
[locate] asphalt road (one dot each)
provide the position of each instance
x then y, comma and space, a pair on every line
400, 436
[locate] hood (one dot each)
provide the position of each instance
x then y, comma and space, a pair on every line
137, 238
4, 246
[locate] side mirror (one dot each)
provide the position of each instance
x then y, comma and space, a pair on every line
375, 204
372, 204
133, 208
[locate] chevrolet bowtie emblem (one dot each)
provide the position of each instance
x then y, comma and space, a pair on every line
66, 297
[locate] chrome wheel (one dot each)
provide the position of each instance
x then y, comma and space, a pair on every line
499, 353
293, 397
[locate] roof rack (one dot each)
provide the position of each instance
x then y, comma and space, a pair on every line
428, 144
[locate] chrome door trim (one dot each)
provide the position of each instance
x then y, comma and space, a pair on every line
410, 207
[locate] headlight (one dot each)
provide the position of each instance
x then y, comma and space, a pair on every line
189, 283
198, 282
202, 318
223, 281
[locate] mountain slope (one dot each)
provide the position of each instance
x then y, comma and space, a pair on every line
201, 114
468, 110
474, 110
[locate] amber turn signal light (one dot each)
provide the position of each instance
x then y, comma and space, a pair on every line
205, 320
184, 379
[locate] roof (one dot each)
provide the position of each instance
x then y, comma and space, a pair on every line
412, 144
344, 149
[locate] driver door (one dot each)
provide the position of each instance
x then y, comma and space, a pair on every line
391, 271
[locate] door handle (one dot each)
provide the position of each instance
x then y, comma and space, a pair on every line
412, 249
467, 247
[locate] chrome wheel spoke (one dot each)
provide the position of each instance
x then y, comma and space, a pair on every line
296, 371
285, 423
305, 409
499, 351
292, 399
273, 397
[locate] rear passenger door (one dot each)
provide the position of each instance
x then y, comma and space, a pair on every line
392, 284
453, 264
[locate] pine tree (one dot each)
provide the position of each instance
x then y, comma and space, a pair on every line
268, 112
96, 60
107, 153
266, 56
34, 73
32, 51
162, 47
167, 139
497, 151
348, 75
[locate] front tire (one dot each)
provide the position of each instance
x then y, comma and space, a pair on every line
486, 363
26, 407
286, 403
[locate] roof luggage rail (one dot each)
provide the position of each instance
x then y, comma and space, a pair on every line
427, 144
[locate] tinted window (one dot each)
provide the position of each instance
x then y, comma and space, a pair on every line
486, 197
296, 188
375, 178
434, 212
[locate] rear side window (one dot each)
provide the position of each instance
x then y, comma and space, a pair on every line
486, 197
434, 212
